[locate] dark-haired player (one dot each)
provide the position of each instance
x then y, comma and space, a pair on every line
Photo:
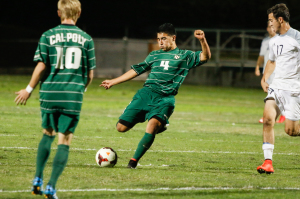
263, 59
284, 91
66, 59
155, 102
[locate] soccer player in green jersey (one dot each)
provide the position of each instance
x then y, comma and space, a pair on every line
65, 59
155, 102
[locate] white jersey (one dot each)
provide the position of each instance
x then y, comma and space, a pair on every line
264, 50
285, 50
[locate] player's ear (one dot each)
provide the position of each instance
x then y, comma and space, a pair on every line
59, 13
174, 37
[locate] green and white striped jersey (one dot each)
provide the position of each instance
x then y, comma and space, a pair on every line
168, 69
69, 55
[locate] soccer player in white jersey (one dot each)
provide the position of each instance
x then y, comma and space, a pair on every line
284, 91
263, 59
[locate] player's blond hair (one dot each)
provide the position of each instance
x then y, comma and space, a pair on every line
70, 9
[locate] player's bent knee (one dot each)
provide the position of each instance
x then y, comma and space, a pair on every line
268, 121
122, 128
49, 132
291, 131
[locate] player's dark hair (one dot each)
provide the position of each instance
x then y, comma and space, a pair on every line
167, 28
280, 10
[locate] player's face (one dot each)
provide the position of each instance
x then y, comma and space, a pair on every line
165, 41
274, 23
271, 30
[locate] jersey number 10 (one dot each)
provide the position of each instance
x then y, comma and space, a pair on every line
72, 58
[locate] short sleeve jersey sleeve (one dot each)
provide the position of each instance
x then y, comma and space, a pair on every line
264, 47
297, 37
143, 66
91, 58
42, 51
193, 59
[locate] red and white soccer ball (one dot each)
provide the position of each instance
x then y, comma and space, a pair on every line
106, 157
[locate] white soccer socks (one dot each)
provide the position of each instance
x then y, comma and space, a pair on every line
268, 150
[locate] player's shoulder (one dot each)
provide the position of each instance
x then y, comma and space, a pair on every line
266, 39
184, 51
72, 28
294, 34
187, 52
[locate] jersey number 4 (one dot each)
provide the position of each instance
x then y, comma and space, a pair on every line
72, 58
165, 64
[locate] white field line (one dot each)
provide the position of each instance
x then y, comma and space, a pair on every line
79, 137
162, 151
163, 189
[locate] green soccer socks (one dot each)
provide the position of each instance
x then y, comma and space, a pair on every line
59, 163
43, 153
144, 145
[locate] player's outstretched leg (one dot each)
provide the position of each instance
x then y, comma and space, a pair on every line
43, 153
143, 146
146, 142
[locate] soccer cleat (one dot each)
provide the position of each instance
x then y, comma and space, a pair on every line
132, 164
281, 119
50, 193
37, 186
266, 167
261, 120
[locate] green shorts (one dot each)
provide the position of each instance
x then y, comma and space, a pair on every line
145, 105
60, 122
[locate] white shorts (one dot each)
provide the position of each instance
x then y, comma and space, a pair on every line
288, 102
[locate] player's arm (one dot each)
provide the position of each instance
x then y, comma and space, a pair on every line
259, 63
270, 67
123, 78
206, 54
89, 78
24, 94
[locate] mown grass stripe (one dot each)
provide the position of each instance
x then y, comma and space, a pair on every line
165, 189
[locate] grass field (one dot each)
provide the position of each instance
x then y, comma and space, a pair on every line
210, 150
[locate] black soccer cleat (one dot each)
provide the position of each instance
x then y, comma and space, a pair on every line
36, 190
37, 186
132, 164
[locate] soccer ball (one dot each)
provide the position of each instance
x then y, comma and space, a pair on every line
106, 157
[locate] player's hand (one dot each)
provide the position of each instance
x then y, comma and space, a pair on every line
107, 84
199, 34
265, 86
257, 71
22, 97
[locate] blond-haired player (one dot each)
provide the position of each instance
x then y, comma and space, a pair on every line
284, 91
66, 59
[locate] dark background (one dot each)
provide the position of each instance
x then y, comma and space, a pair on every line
139, 19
